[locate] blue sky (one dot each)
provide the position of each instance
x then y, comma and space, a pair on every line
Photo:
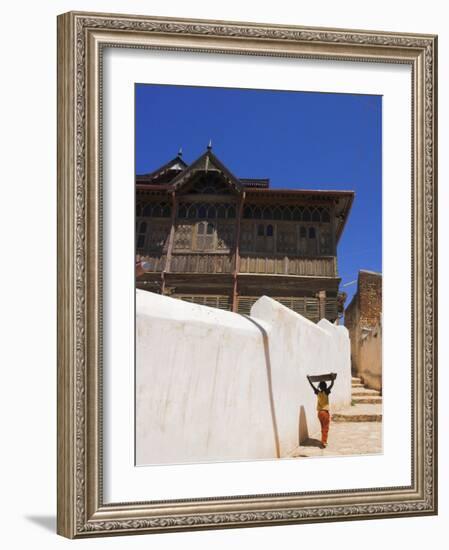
303, 140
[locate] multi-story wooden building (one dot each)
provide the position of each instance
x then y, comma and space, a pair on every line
211, 238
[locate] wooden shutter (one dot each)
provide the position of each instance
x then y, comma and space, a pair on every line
245, 303
209, 237
312, 309
220, 302
331, 308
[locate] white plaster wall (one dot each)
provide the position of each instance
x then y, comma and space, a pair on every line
214, 385
201, 389
299, 347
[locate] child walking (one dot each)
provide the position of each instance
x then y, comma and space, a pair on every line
322, 406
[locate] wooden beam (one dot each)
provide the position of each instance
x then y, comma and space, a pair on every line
170, 242
209, 198
237, 254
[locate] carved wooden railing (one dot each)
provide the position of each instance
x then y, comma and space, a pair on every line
201, 263
319, 267
154, 263
223, 263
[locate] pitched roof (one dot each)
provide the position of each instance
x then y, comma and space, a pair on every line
207, 162
165, 173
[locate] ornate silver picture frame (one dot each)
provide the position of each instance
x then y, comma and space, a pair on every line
82, 41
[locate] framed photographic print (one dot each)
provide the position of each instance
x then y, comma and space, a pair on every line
246, 274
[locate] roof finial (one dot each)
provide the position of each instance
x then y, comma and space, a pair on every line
209, 146
180, 152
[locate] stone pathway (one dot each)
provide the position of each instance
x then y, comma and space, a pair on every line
345, 438
355, 430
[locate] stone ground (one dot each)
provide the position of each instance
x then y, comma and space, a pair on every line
345, 438
355, 430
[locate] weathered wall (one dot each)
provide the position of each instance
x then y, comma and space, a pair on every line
362, 317
370, 298
215, 385
370, 358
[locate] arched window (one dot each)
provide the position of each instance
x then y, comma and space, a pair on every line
147, 210
325, 217
192, 212
212, 212
297, 214
303, 232
306, 215
269, 230
286, 213
257, 213
182, 211
316, 216
210, 229
231, 212
267, 213
260, 230
312, 233
202, 213
277, 214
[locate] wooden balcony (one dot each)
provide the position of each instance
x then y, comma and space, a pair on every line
262, 265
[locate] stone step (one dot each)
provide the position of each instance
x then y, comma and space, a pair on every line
356, 385
364, 392
359, 413
370, 399
339, 417
356, 379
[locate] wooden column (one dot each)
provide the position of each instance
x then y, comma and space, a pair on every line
237, 254
170, 241
321, 295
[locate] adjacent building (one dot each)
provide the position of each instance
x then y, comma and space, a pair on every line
363, 319
212, 238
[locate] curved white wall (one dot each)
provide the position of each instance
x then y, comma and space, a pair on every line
213, 385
